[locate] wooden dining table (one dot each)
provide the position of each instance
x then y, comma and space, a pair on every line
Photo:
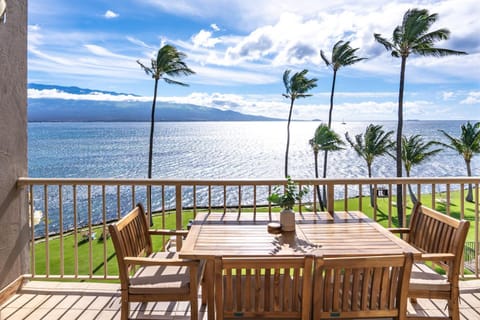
234, 234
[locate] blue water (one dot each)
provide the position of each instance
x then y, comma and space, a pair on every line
195, 150
198, 150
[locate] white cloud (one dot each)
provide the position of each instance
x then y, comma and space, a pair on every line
472, 98
215, 27
448, 95
109, 14
138, 42
204, 39
94, 96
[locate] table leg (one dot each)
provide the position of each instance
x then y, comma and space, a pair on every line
209, 279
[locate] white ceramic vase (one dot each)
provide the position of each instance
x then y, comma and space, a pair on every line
287, 220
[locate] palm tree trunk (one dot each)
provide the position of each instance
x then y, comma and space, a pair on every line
288, 136
322, 207
372, 203
399, 142
469, 197
324, 188
152, 128
413, 198
330, 113
150, 149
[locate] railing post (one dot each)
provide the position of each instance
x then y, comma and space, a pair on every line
330, 198
178, 213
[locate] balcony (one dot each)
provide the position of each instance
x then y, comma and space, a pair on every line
71, 249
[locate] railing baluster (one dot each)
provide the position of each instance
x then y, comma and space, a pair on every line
360, 196
118, 202
331, 198
448, 204
178, 212
390, 205
434, 186
89, 233
419, 192
164, 223
31, 209
255, 202
60, 219
210, 197
75, 231
103, 236
476, 228
47, 222
269, 203
194, 200
224, 199
134, 200
239, 199
404, 206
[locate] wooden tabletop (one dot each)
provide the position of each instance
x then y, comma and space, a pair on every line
349, 233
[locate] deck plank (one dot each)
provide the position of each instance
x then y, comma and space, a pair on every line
67, 300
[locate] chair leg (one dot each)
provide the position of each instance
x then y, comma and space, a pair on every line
125, 310
194, 309
413, 300
453, 309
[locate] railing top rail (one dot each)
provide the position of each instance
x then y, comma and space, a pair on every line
23, 181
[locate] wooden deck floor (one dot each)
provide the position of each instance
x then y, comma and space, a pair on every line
62, 300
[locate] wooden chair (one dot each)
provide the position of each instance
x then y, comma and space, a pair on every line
441, 239
147, 276
366, 287
273, 287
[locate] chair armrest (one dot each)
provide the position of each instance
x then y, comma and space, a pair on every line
145, 261
436, 257
399, 230
167, 232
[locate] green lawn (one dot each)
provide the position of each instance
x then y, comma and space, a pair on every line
99, 246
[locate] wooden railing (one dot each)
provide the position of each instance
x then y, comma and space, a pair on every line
70, 216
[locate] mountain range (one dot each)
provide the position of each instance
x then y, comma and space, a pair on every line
56, 109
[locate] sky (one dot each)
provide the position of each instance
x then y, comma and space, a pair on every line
239, 50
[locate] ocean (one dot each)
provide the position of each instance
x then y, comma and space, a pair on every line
216, 150
202, 150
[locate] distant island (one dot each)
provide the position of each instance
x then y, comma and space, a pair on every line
70, 110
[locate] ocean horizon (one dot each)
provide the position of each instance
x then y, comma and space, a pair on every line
217, 150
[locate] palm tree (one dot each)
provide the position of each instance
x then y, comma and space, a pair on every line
412, 37
169, 61
373, 143
415, 151
342, 55
467, 145
327, 140
296, 86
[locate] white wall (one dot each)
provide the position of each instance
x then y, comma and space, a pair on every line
13, 143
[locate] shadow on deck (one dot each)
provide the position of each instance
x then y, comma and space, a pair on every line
71, 300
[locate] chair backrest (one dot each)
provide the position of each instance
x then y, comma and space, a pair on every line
130, 238
272, 287
365, 287
434, 232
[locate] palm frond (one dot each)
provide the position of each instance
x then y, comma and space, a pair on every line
286, 82
147, 70
324, 58
387, 44
171, 81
